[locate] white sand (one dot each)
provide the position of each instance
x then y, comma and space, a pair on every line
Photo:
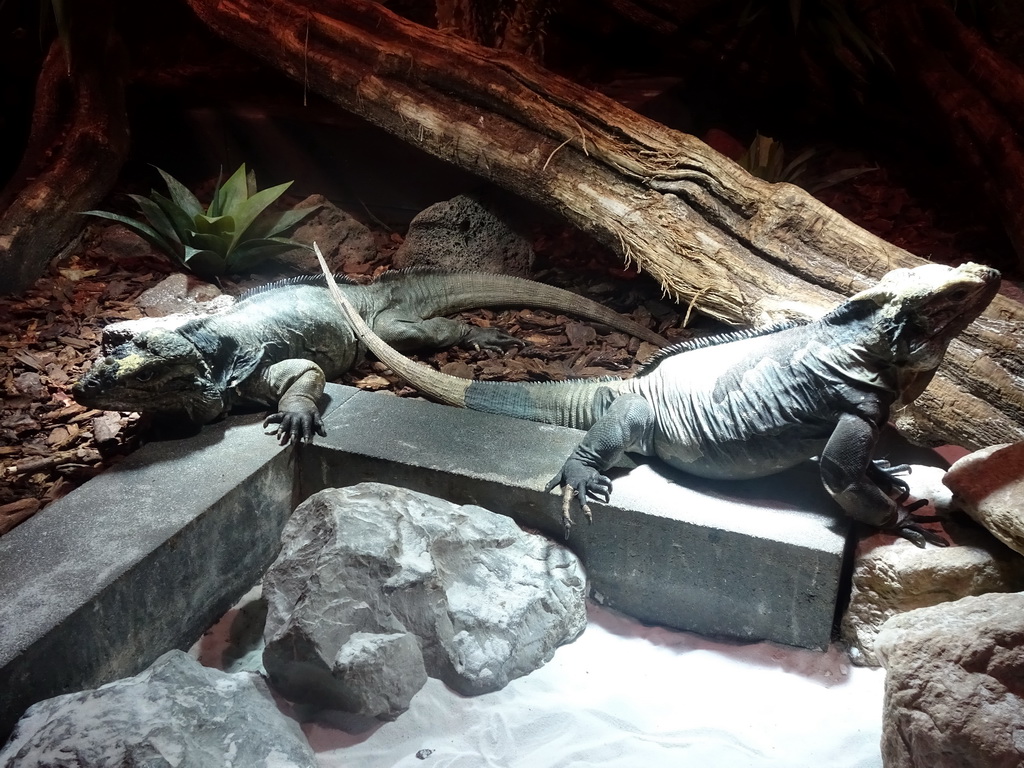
625, 695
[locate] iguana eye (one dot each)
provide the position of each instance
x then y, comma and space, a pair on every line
143, 376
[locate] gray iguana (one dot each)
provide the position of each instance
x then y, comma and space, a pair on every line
752, 403
280, 343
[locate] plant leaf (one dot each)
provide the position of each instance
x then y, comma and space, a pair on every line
157, 218
233, 193
252, 252
218, 226
203, 262
183, 223
285, 221
181, 195
144, 231
246, 212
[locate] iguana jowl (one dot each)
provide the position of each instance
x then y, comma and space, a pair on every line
750, 404
280, 343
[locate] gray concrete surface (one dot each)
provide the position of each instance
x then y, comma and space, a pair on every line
144, 557
754, 560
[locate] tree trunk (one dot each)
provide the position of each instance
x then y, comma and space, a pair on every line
728, 244
79, 142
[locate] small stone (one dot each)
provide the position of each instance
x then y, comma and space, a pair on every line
465, 233
953, 692
176, 712
989, 486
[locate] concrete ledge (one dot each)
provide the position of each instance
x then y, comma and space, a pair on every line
137, 561
145, 557
758, 560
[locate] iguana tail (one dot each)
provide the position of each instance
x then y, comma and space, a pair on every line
564, 403
457, 291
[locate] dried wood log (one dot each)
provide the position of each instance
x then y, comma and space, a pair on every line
733, 246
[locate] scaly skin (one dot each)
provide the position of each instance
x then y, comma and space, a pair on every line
278, 345
750, 404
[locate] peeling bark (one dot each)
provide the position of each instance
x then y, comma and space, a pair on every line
735, 247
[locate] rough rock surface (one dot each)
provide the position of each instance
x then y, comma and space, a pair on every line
176, 713
989, 485
343, 239
893, 577
464, 233
377, 587
954, 689
181, 293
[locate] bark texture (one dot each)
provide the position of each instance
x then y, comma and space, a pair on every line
732, 246
78, 143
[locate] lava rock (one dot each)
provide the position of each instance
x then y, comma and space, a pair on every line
953, 691
175, 713
465, 233
989, 486
895, 577
377, 587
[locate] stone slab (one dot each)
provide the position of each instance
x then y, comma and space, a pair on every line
757, 560
139, 560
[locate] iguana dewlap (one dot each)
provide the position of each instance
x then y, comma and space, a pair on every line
749, 404
279, 344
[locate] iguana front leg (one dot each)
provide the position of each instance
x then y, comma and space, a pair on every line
624, 425
854, 481
297, 385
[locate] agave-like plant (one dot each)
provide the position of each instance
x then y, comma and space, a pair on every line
234, 233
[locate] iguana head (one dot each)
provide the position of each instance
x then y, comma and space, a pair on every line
918, 311
156, 370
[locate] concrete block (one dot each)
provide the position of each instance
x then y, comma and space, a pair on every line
754, 560
137, 561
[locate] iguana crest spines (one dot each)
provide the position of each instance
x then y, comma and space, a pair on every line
259, 290
700, 342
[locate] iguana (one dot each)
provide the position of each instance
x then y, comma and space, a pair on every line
752, 403
279, 344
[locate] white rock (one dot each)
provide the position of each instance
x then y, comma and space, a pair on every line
454, 592
175, 713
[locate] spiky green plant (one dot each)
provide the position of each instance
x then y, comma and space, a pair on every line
765, 158
234, 233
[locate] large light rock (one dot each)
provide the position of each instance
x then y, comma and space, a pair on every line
464, 233
989, 485
175, 713
954, 688
893, 577
377, 587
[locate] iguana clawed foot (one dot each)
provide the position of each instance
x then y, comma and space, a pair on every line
491, 339
582, 482
911, 527
887, 477
293, 426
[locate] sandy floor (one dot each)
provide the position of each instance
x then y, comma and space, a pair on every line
625, 695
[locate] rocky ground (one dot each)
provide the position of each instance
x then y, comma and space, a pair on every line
49, 444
